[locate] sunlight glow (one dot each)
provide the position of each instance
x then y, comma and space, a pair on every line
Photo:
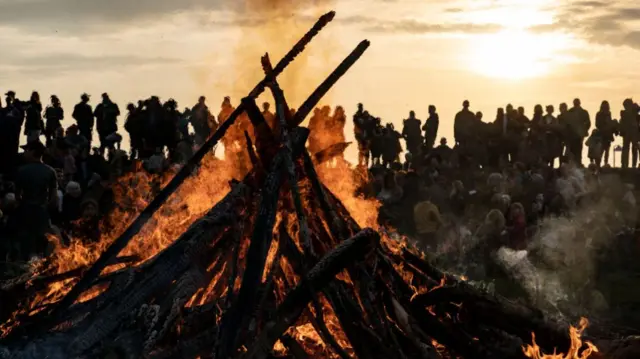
516, 54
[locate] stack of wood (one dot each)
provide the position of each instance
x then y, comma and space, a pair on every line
279, 253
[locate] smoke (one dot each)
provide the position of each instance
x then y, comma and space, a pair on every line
274, 26
559, 269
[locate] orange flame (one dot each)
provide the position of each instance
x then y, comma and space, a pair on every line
576, 350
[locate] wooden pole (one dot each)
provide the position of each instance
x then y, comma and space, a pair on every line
121, 242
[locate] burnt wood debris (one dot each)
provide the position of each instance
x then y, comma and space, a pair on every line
278, 251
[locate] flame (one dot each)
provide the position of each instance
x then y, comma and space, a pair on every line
344, 181
576, 350
132, 193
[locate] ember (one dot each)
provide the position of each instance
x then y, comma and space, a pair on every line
278, 267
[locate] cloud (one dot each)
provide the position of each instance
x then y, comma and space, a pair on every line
78, 14
418, 27
73, 62
599, 22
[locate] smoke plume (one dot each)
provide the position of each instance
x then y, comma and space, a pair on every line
273, 26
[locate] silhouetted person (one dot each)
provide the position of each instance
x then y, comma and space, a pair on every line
169, 127
54, 114
106, 114
377, 143
430, 127
535, 125
563, 122
11, 120
134, 125
522, 118
552, 133
9, 99
579, 125
153, 118
33, 126
37, 187
594, 144
183, 124
443, 150
363, 126
83, 114
508, 133
335, 126
463, 124
203, 121
392, 146
412, 134
607, 127
270, 117
226, 109
76, 140
629, 130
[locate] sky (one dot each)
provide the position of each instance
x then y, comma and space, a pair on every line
440, 52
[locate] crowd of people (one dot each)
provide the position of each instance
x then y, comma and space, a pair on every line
513, 185
496, 183
62, 181
511, 137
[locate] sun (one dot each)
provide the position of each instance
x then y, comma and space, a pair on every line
514, 54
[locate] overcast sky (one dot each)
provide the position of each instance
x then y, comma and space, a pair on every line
492, 52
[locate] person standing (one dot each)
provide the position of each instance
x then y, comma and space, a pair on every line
34, 126
606, 126
11, 120
579, 124
270, 117
83, 114
629, 130
412, 134
135, 127
430, 127
37, 189
54, 114
106, 115
202, 121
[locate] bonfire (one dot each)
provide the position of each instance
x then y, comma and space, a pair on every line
279, 267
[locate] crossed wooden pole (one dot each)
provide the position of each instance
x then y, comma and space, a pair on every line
134, 228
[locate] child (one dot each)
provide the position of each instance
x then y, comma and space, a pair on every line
595, 142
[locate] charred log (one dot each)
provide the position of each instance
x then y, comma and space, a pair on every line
134, 228
356, 248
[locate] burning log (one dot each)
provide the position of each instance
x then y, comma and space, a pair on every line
121, 242
355, 248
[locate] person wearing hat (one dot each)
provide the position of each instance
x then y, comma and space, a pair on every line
10, 97
37, 190
83, 114
54, 114
106, 114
